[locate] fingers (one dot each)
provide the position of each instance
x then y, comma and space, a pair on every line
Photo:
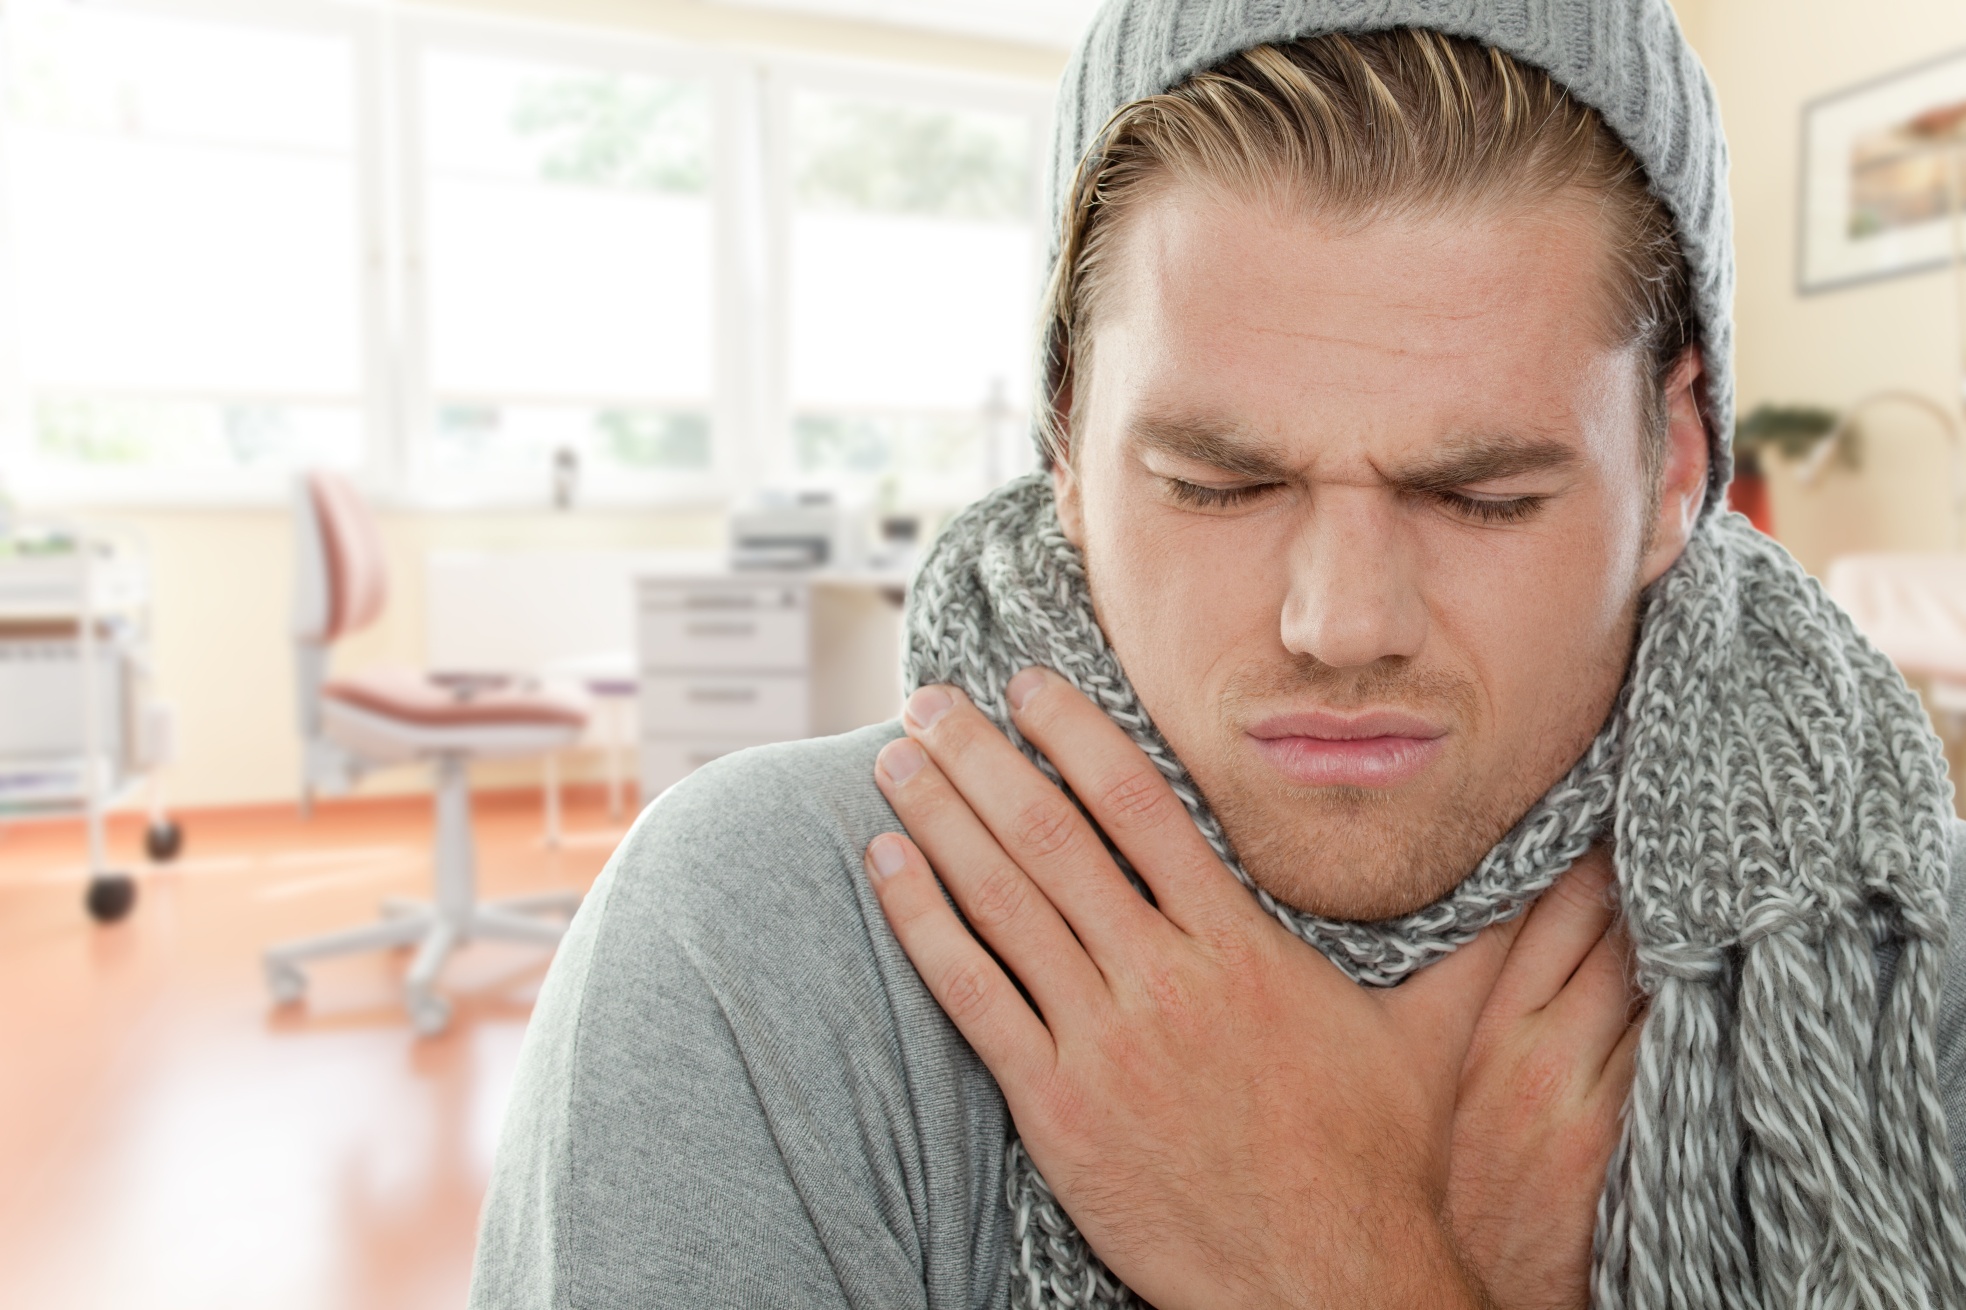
1129, 798
1595, 1005
1621, 1065
1566, 924
1032, 821
1441, 1005
971, 989
1001, 903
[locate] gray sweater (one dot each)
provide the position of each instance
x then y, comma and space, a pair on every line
735, 1091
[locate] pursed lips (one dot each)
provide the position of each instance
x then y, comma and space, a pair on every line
1321, 748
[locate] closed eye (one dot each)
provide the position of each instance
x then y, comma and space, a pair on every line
1484, 509
1200, 496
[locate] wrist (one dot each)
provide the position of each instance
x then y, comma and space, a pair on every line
1396, 1258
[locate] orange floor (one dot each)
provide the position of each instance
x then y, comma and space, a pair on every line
170, 1139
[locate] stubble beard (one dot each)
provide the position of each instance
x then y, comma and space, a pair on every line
1357, 853
1361, 853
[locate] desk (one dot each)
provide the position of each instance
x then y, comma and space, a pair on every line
725, 659
734, 659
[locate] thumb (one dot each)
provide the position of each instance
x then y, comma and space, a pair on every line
1437, 1008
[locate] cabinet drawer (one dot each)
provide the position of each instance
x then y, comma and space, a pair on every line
674, 640
721, 596
666, 763
772, 707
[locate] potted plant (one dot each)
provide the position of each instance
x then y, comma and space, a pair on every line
1795, 431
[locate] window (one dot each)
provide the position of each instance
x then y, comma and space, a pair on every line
568, 266
184, 220
911, 255
457, 255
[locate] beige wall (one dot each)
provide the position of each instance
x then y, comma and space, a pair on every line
1768, 57
1692, 18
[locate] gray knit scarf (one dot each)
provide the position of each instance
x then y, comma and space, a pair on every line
1778, 805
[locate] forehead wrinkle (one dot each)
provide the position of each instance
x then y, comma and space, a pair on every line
1394, 348
1402, 347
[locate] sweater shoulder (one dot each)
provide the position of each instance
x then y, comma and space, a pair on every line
757, 855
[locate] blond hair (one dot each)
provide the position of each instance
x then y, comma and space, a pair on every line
1361, 127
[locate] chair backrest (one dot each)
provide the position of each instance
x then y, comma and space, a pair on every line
341, 583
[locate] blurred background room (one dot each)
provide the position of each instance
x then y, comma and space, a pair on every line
429, 431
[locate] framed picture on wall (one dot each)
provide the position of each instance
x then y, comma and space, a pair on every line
1883, 176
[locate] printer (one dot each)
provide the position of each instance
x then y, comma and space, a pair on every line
809, 530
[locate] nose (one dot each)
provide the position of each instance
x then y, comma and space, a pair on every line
1353, 597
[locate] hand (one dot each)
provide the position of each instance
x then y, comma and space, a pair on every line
1227, 1118
1545, 1079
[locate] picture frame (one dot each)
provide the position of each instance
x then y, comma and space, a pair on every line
1883, 169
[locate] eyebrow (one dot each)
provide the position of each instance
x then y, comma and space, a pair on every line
1483, 459
1463, 462
1217, 447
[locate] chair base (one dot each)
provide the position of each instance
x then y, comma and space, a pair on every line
435, 935
435, 929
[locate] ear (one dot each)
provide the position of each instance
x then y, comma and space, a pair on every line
1071, 505
1683, 479
1064, 474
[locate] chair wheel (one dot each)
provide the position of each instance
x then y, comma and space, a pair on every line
110, 896
287, 983
429, 1015
163, 839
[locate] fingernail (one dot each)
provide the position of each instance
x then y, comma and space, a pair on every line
927, 705
886, 856
902, 760
1024, 686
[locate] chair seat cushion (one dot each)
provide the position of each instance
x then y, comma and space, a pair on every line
442, 701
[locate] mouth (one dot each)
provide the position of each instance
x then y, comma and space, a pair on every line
1320, 748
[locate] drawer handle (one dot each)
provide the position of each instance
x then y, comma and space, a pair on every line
714, 629
720, 602
721, 695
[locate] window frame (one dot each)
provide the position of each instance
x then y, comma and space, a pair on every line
783, 79
31, 481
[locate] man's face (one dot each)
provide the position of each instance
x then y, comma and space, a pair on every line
1366, 515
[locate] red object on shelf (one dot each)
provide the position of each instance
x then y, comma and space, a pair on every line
1748, 493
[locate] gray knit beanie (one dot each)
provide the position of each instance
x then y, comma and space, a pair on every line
1624, 58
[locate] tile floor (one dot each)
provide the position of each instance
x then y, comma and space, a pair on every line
170, 1139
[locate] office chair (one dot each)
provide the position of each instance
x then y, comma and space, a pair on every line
353, 724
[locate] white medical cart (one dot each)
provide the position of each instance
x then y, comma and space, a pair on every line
78, 730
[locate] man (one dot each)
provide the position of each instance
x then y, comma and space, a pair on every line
1384, 409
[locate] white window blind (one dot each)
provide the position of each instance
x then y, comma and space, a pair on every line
184, 215
568, 252
911, 278
235, 241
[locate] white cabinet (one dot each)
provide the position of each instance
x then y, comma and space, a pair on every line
756, 706
725, 663
720, 659
725, 626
